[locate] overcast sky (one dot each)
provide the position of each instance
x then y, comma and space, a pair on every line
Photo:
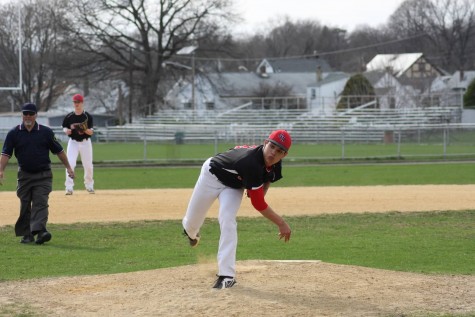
346, 14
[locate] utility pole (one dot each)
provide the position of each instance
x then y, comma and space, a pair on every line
193, 81
131, 57
190, 50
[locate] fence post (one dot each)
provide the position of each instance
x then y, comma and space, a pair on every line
343, 144
144, 143
445, 142
399, 144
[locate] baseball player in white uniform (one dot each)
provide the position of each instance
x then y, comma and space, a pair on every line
78, 125
225, 177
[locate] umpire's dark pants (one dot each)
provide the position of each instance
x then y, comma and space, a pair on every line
33, 189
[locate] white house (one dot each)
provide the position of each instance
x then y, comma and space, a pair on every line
455, 82
410, 65
451, 89
390, 92
323, 95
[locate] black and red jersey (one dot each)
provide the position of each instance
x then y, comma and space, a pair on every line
244, 167
72, 119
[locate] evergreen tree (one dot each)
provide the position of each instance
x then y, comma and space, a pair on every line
469, 96
358, 91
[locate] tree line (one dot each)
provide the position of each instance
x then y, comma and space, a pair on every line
138, 43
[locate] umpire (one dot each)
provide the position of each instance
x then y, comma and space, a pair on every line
31, 143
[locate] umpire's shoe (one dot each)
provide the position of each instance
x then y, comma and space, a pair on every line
29, 238
43, 237
193, 242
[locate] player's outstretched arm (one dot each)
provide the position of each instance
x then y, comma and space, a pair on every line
258, 201
284, 228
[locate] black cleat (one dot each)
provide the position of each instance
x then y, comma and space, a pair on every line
224, 282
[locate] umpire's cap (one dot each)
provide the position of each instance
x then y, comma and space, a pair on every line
281, 138
29, 107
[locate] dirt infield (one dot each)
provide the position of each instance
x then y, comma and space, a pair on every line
265, 288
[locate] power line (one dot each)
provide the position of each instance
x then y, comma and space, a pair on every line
348, 50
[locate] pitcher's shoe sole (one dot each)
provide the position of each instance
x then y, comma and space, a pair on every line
193, 242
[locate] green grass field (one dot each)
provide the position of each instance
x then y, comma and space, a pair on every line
161, 153
436, 242
112, 152
441, 242
294, 175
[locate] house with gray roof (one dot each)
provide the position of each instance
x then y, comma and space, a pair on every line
457, 82
293, 65
279, 83
221, 91
450, 90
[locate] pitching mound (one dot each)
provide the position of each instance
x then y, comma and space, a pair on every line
265, 288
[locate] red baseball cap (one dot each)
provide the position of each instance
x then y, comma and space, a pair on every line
78, 97
281, 138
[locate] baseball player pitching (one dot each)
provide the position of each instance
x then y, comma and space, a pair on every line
78, 125
225, 177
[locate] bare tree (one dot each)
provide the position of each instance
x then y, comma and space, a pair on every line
364, 43
133, 38
9, 50
449, 26
453, 22
40, 49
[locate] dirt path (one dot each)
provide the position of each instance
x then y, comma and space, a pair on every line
151, 204
264, 288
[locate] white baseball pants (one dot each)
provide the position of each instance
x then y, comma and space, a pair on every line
207, 189
84, 149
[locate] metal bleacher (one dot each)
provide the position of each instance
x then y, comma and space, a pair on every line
251, 125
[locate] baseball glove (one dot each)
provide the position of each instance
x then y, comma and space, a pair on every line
81, 127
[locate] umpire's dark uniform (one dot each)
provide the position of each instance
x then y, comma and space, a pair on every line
35, 179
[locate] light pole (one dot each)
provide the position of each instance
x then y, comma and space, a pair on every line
193, 81
190, 50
